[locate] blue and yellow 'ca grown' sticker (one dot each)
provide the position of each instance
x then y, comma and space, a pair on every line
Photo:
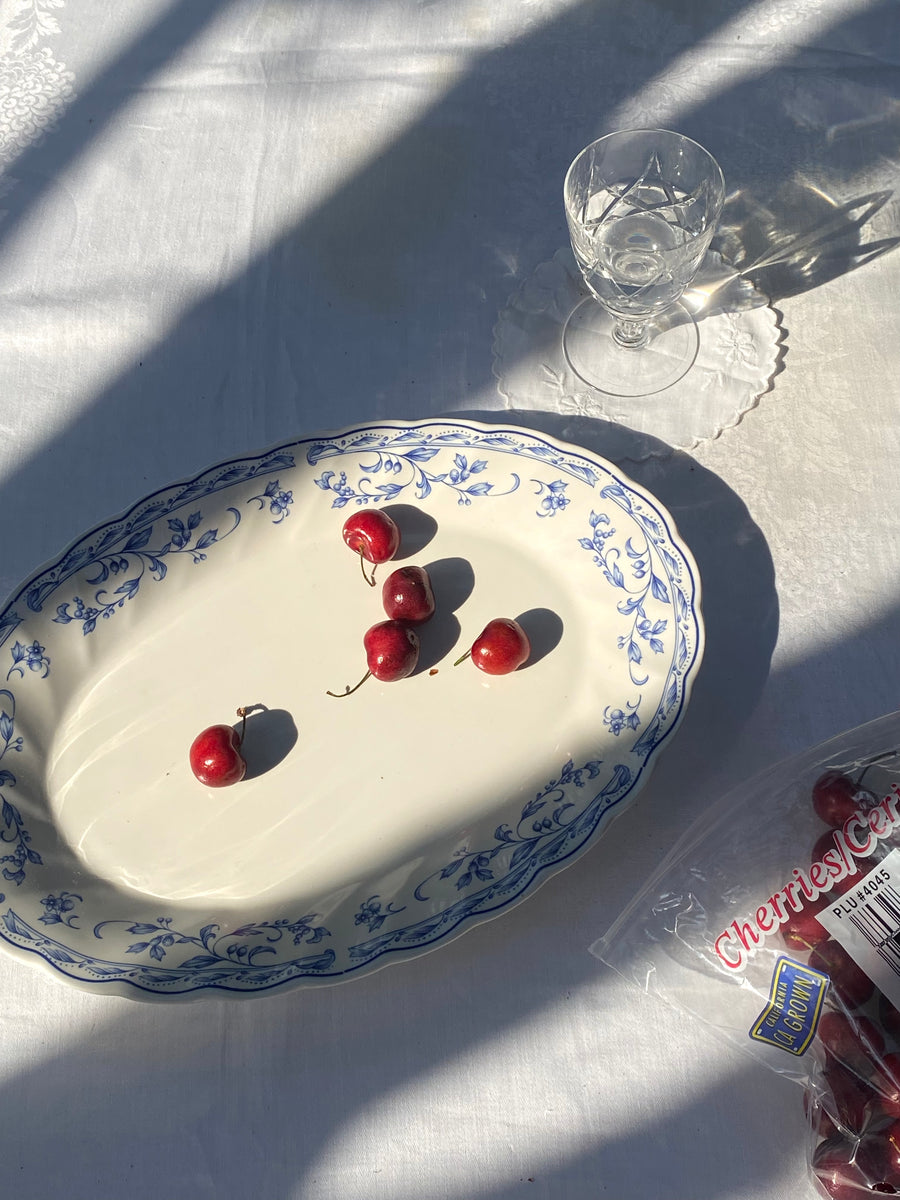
796, 997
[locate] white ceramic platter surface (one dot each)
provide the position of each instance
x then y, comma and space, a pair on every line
370, 827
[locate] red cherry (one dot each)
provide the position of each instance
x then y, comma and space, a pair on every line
820, 1120
886, 1083
848, 1099
803, 930
392, 651
215, 754
842, 1167
407, 595
501, 647
848, 980
835, 797
374, 536
854, 1041
882, 1150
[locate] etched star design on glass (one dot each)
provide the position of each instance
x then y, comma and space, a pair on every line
642, 207
650, 192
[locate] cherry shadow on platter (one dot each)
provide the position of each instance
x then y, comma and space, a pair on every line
452, 581
269, 738
417, 528
544, 629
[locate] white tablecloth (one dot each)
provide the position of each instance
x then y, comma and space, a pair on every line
229, 224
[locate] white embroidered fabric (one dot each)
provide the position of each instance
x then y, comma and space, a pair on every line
229, 224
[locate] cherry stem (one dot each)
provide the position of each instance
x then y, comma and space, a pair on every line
348, 691
370, 582
242, 713
467, 654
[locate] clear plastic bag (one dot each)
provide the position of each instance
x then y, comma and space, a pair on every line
776, 921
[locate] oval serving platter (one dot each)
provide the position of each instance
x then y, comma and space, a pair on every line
370, 827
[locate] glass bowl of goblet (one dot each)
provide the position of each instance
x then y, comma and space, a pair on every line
642, 207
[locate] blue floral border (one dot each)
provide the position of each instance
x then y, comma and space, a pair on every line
133, 528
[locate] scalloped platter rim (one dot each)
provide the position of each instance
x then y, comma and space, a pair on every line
370, 828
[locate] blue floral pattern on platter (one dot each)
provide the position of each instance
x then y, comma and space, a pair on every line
60, 910
553, 497
136, 951
13, 832
220, 948
644, 581
134, 559
34, 657
134, 530
407, 463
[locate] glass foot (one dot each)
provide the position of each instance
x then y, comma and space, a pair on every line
739, 356
599, 360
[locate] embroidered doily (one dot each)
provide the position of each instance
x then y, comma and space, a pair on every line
737, 357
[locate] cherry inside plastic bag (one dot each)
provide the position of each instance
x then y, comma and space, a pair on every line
852, 1098
853, 1102
818, 837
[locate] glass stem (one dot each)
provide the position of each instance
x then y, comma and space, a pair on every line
632, 335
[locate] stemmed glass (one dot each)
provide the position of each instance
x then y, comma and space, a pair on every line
642, 206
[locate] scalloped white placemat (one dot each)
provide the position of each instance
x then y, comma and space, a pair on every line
737, 357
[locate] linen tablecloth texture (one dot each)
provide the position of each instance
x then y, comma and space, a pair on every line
225, 224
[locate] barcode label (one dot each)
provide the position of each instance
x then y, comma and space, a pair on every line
866, 922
